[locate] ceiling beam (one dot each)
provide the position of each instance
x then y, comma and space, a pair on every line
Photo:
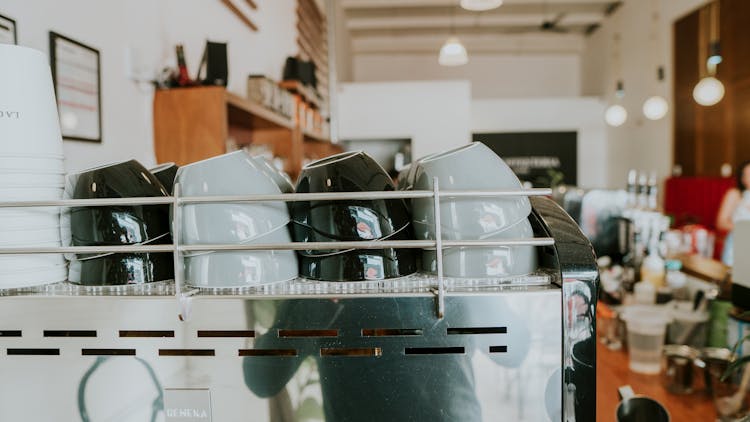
373, 4
537, 43
526, 8
398, 22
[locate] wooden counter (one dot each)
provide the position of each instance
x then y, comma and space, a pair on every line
612, 372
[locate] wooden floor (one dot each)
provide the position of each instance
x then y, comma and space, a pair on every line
612, 372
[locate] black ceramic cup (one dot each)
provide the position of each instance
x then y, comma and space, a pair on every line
359, 265
120, 225
348, 220
123, 269
165, 173
641, 409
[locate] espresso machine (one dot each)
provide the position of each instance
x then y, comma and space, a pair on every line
519, 349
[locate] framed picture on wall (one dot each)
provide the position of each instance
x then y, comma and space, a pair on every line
76, 71
8, 31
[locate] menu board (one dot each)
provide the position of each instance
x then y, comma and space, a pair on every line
75, 69
542, 158
8, 31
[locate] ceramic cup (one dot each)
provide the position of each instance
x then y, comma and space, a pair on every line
233, 269
30, 125
348, 220
359, 265
279, 177
470, 167
407, 176
31, 179
34, 276
487, 262
30, 236
229, 174
117, 225
637, 408
122, 269
165, 173
25, 163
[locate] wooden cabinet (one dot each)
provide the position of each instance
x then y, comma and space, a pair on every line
706, 138
192, 124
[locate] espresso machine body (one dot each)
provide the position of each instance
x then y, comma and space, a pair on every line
521, 350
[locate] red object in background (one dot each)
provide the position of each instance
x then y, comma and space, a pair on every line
183, 78
696, 200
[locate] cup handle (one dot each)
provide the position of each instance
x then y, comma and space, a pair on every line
625, 392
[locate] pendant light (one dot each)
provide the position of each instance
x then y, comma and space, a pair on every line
481, 5
616, 115
656, 106
709, 90
453, 53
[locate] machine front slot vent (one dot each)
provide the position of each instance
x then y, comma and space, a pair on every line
146, 333
10, 333
308, 333
107, 352
477, 330
355, 352
33, 352
226, 333
391, 332
187, 352
434, 351
498, 349
69, 333
268, 352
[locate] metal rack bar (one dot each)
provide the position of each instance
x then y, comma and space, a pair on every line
439, 249
184, 300
293, 246
287, 197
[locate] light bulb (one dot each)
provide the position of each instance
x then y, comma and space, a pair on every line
615, 115
708, 91
453, 53
655, 107
480, 5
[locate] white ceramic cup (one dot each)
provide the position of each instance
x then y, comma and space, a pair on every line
37, 276
31, 179
30, 193
29, 123
243, 268
13, 263
30, 236
470, 167
20, 219
229, 174
487, 262
281, 179
36, 165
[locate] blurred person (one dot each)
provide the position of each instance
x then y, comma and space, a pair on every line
734, 207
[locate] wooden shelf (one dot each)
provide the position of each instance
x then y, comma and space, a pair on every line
307, 94
192, 124
259, 114
311, 135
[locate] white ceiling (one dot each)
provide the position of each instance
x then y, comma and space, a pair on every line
416, 26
